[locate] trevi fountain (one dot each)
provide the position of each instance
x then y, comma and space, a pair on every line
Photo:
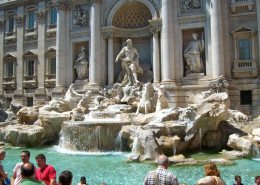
115, 135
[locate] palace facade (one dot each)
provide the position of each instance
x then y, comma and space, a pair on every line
40, 41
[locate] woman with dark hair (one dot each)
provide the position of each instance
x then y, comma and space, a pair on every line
212, 176
65, 178
82, 181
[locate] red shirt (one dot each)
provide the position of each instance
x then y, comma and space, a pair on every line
46, 174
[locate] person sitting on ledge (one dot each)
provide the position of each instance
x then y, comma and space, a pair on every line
212, 176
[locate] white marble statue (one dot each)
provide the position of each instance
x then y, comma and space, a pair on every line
130, 63
81, 65
148, 101
163, 98
192, 55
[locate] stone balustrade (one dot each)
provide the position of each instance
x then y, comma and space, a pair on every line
241, 3
245, 68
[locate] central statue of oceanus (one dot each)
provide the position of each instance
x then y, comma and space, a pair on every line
130, 63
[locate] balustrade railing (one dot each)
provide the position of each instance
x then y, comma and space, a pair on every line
241, 3
245, 68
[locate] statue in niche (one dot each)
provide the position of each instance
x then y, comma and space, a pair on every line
190, 4
192, 55
81, 65
130, 63
80, 17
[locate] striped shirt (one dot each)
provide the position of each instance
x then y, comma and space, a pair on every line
164, 176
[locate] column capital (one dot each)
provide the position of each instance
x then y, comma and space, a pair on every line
20, 20
62, 5
108, 35
41, 15
155, 26
2, 23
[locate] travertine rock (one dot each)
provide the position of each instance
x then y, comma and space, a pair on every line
241, 144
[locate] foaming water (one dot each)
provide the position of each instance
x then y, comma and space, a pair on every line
67, 151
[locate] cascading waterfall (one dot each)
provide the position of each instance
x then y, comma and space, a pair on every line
98, 132
135, 146
256, 152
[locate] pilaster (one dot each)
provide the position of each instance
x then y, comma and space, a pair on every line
2, 22
62, 6
258, 26
41, 16
110, 61
20, 50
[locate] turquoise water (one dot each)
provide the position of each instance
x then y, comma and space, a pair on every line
112, 168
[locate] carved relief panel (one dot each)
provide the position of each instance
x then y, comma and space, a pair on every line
190, 6
80, 16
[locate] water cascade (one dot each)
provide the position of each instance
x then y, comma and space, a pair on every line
256, 152
95, 133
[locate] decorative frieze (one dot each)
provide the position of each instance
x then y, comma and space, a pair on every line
190, 6
81, 16
20, 20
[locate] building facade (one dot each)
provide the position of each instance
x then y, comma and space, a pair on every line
41, 40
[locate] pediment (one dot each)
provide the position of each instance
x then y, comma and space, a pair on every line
11, 54
31, 52
242, 29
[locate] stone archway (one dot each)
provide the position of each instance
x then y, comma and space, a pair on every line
132, 15
131, 22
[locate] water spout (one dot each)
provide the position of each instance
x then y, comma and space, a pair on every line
135, 146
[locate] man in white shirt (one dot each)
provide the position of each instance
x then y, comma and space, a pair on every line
17, 178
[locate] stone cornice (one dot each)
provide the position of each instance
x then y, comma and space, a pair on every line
112, 31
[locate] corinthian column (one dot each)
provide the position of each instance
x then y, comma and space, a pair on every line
217, 38
95, 46
2, 22
62, 6
110, 61
167, 40
156, 57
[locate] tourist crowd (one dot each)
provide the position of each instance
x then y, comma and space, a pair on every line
25, 173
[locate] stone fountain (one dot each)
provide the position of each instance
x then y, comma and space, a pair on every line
135, 116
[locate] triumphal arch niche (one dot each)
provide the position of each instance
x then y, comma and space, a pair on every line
130, 20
